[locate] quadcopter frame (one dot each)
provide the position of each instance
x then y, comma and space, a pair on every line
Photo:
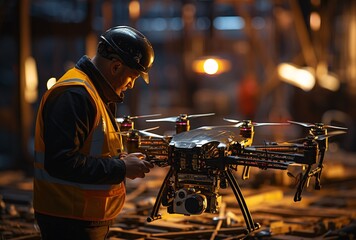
185, 159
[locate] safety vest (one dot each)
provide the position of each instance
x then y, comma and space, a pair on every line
57, 197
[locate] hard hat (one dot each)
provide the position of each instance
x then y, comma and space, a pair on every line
132, 47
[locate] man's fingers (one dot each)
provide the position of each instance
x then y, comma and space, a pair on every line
138, 155
148, 164
144, 168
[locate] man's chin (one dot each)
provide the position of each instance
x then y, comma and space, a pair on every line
121, 91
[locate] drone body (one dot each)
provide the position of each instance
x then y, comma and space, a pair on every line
194, 186
201, 162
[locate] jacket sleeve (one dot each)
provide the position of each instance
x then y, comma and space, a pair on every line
68, 117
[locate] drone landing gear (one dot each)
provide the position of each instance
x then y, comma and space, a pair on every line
308, 174
301, 185
154, 214
250, 224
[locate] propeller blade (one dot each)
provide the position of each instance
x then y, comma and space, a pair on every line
167, 119
200, 115
144, 116
135, 130
302, 124
318, 137
270, 124
335, 127
254, 123
317, 125
121, 119
149, 129
174, 119
149, 134
330, 134
231, 120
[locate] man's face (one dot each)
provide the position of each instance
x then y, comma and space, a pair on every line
124, 78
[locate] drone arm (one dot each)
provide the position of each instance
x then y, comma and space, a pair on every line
256, 162
265, 159
278, 160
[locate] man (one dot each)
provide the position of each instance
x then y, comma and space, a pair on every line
80, 165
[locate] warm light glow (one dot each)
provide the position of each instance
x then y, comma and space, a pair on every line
302, 78
31, 81
51, 82
315, 21
134, 9
329, 82
211, 65
326, 79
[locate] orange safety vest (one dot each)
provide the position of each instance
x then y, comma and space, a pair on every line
90, 202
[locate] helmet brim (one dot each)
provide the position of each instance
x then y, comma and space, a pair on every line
145, 77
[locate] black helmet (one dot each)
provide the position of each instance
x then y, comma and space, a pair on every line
131, 47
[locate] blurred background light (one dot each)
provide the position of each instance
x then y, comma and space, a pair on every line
302, 78
211, 65
326, 79
31, 82
134, 9
315, 21
229, 23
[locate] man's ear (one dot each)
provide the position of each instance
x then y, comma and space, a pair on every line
115, 66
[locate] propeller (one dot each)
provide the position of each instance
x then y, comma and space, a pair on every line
246, 122
318, 137
122, 119
143, 132
148, 134
179, 118
317, 125
242, 123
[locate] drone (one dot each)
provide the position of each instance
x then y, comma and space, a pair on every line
203, 160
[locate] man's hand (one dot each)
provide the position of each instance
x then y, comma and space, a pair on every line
136, 165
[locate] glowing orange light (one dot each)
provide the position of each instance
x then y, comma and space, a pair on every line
211, 65
134, 9
315, 21
299, 77
31, 80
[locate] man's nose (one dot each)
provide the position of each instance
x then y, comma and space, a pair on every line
132, 83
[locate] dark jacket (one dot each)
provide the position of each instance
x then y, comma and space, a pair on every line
68, 118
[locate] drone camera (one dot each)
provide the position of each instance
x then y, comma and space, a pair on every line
188, 202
